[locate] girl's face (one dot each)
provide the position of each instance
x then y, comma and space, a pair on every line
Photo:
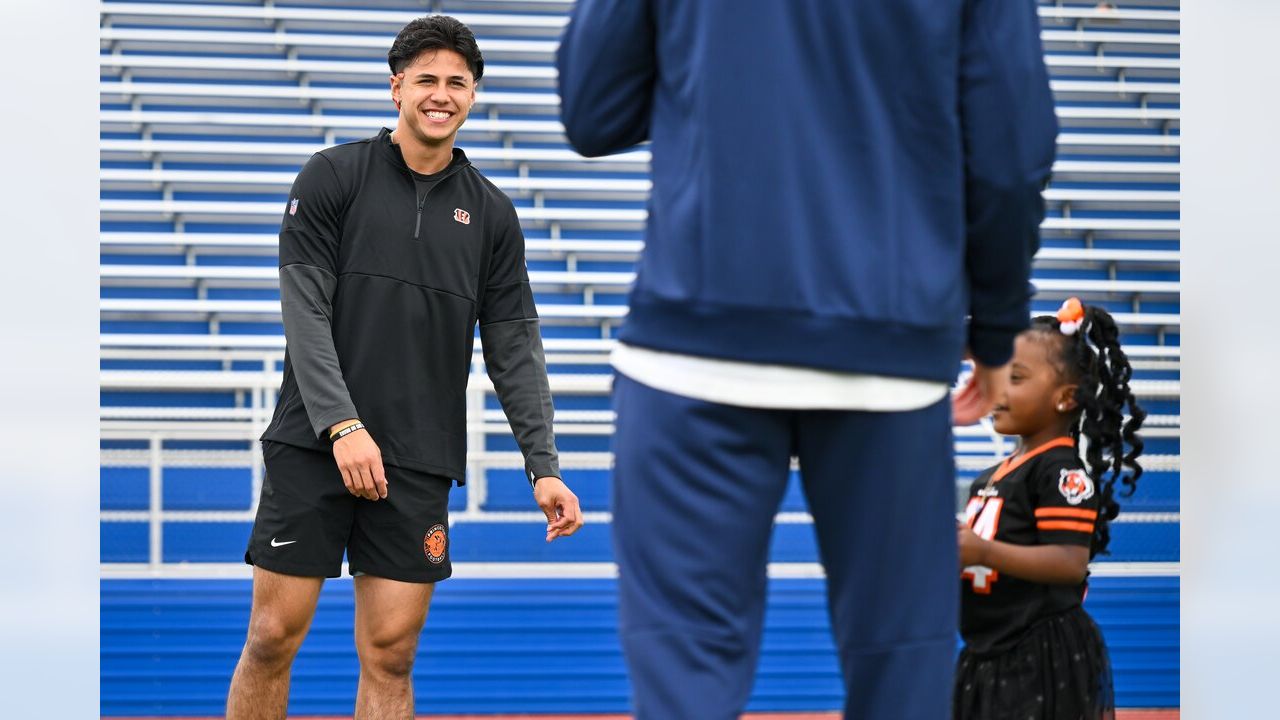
1037, 397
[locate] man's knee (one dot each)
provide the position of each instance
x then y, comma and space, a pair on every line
273, 641
388, 655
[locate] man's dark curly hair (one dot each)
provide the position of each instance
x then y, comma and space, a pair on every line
435, 32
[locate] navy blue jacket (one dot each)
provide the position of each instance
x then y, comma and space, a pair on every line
835, 184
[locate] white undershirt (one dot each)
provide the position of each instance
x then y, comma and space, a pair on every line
759, 385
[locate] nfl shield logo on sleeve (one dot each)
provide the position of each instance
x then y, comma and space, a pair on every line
293, 206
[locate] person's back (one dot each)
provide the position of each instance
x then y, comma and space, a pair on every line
836, 186
812, 162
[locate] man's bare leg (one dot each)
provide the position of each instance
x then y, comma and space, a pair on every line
283, 606
389, 618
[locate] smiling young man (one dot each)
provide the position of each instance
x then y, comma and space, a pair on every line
391, 250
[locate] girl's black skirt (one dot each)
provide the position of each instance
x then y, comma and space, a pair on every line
1058, 670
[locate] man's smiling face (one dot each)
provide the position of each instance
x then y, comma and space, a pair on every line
434, 93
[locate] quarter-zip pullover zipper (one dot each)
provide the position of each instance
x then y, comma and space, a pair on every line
449, 171
422, 203
417, 224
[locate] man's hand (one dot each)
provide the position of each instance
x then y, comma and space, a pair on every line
974, 401
560, 505
360, 461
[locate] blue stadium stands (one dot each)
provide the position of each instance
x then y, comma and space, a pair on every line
169, 647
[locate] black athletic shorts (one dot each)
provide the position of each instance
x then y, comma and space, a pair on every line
307, 518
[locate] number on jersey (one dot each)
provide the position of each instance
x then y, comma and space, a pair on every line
983, 516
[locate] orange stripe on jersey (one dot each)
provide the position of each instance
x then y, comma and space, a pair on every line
1081, 513
1065, 525
1013, 463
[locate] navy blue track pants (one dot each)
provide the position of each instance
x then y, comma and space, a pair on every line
696, 488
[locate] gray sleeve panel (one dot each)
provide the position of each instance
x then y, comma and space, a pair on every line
515, 361
306, 294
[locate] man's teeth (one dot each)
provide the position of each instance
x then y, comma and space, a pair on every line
437, 115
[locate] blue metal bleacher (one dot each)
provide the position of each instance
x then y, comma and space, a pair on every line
168, 646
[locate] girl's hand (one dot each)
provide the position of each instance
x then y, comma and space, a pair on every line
972, 548
1050, 564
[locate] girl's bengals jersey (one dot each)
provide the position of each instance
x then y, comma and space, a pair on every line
1043, 497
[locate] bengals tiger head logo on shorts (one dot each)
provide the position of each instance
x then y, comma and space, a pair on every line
436, 543
1075, 485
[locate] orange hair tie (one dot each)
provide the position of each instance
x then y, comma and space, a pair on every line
1070, 315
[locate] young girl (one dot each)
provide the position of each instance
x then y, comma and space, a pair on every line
1034, 521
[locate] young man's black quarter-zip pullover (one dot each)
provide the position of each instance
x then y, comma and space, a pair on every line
383, 276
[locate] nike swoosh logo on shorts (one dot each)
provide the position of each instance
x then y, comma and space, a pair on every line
281, 544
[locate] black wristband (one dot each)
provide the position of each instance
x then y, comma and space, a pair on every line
346, 431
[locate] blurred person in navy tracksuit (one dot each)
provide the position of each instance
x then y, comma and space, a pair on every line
846, 198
